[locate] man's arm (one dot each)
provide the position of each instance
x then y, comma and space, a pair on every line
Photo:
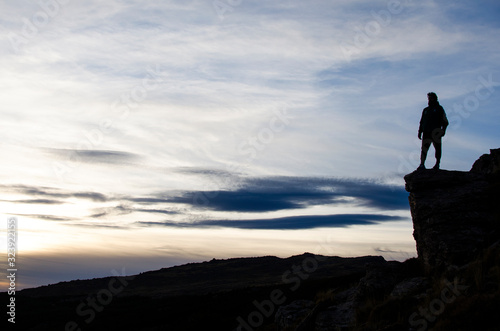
445, 122
420, 125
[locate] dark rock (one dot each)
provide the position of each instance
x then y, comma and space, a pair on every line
339, 316
410, 287
291, 315
335, 318
455, 214
488, 164
379, 281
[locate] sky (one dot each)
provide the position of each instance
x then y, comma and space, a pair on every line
136, 135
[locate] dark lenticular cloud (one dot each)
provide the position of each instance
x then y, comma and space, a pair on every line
245, 201
280, 193
287, 223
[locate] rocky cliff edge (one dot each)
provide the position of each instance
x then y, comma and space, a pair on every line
456, 214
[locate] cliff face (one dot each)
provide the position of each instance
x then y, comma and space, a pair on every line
455, 214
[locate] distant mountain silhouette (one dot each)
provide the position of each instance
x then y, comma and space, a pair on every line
194, 296
214, 276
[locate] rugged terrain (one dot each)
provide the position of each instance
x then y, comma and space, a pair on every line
212, 295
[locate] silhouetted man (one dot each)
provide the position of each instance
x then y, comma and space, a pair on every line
433, 127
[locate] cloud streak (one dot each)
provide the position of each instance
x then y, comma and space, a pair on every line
44, 217
42, 191
286, 223
96, 156
37, 201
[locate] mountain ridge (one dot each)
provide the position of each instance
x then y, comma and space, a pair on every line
250, 271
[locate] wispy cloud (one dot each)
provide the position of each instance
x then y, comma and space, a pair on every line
95, 156
221, 78
36, 201
53, 192
44, 217
125, 210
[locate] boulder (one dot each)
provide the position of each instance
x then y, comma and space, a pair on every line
289, 316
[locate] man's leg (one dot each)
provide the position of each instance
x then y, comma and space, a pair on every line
437, 146
436, 142
426, 144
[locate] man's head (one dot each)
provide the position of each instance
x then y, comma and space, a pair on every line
432, 97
